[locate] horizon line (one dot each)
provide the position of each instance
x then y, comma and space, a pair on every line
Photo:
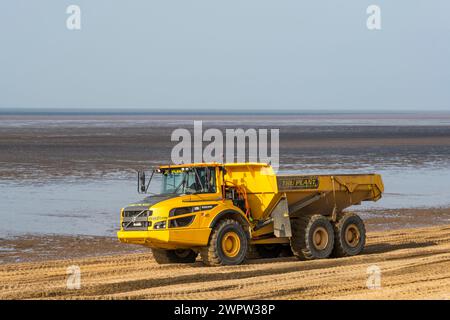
249, 111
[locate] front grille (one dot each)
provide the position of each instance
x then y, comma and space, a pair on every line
134, 213
136, 219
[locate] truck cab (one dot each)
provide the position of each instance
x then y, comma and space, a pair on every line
191, 201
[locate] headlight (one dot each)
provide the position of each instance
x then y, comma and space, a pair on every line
159, 225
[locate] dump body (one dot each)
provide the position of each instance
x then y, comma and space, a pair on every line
328, 193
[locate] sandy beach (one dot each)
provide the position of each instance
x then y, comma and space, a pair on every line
413, 264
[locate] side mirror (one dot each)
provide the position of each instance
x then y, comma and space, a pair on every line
142, 186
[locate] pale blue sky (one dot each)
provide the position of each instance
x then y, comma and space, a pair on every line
220, 55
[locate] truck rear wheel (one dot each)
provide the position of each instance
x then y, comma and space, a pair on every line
350, 235
312, 237
162, 256
228, 244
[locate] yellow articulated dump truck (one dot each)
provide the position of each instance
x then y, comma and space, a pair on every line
224, 212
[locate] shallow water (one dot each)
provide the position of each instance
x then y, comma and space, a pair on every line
91, 206
300, 119
66, 175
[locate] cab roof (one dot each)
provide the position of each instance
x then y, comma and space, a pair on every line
214, 164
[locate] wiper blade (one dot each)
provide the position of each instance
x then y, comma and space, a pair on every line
181, 184
199, 180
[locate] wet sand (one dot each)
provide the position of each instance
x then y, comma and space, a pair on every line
42, 149
27, 248
413, 264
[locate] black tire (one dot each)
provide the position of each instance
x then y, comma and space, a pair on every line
268, 251
312, 237
215, 254
350, 235
162, 256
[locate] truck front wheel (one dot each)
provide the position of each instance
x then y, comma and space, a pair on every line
350, 235
174, 256
312, 237
227, 245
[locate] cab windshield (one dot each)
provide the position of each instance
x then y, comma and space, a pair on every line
188, 180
